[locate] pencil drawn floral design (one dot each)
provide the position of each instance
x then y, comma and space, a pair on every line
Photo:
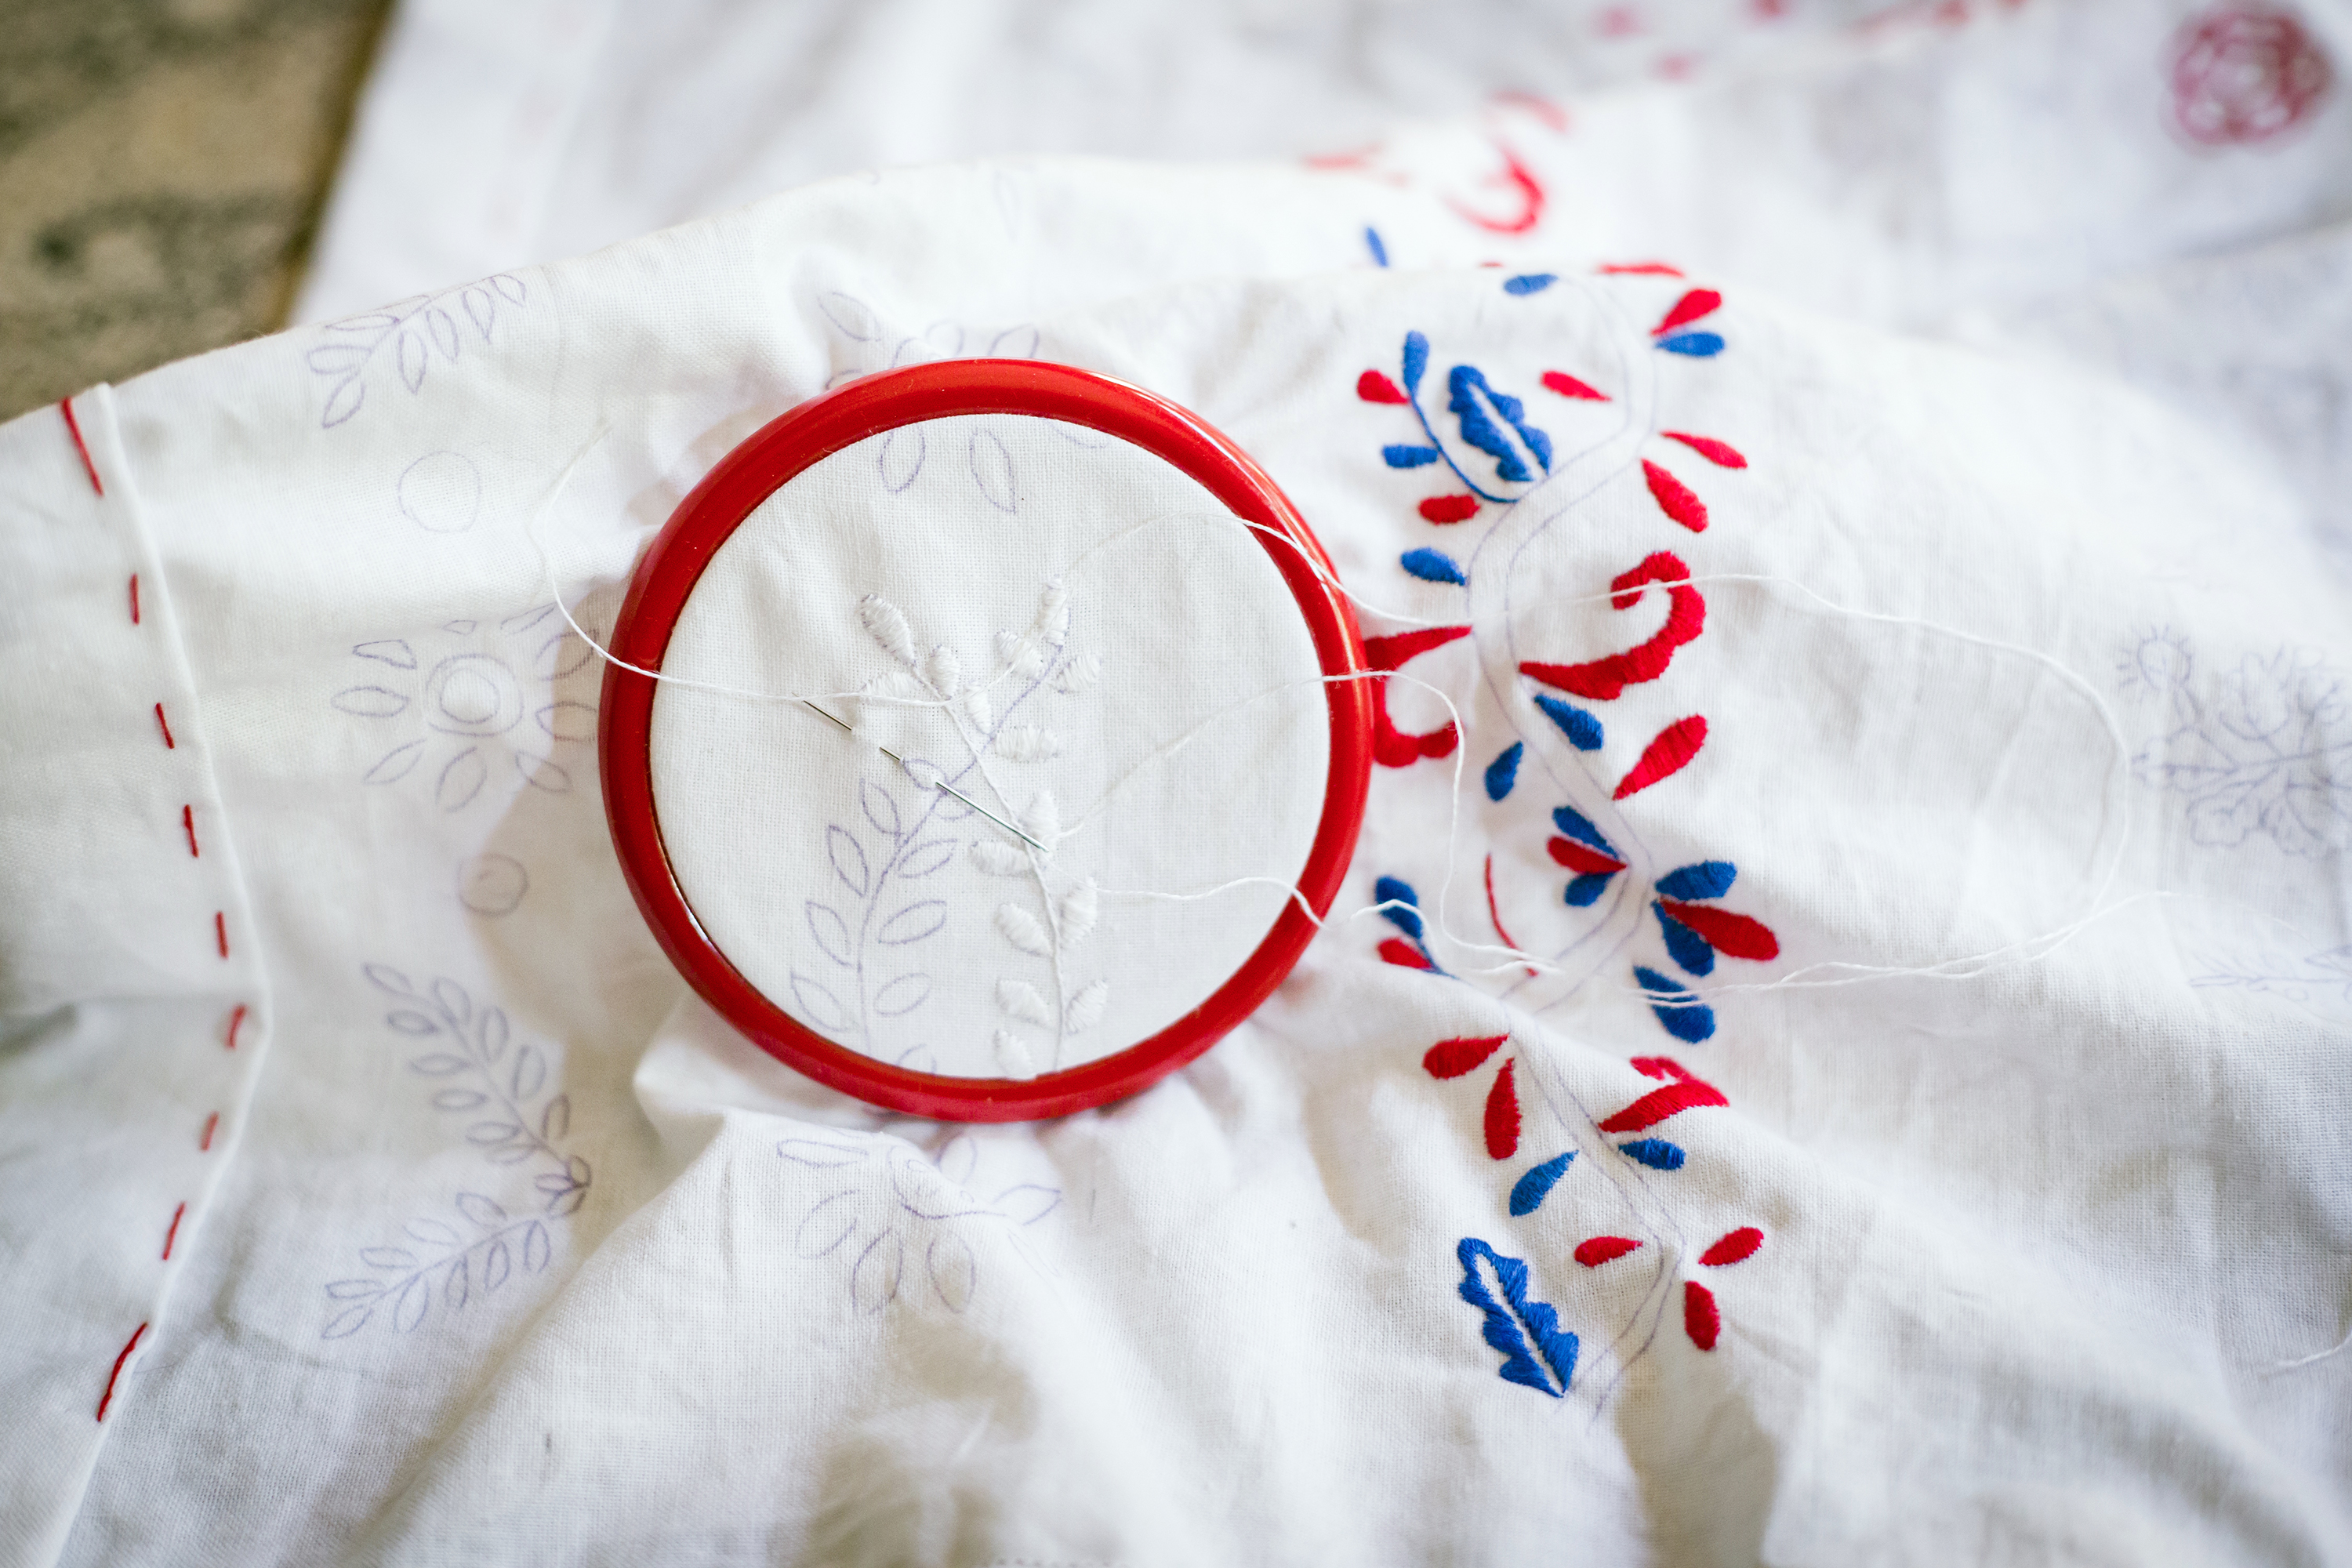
485, 1075
904, 1222
877, 344
405, 338
2265, 749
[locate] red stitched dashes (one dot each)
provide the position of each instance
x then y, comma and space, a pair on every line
236, 1019
108, 1397
204, 1141
165, 725
73, 428
1567, 385
1722, 454
134, 598
172, 1235
220, 931
188, 821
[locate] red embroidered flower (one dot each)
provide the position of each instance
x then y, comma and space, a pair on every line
2246, 73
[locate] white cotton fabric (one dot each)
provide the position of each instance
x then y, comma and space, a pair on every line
1073, 632
2024, 668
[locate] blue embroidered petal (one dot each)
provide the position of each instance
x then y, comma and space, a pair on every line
1504, 771
1698, 345
1579, 827
1530, 282
1392, 891
1706, 880
1685, 1017
1684, 946
1582, 730
1403, 457
1655, 1152
1529, 1193
1513, 1319
1432, 566
1372, 242
1416, 360
1582, 891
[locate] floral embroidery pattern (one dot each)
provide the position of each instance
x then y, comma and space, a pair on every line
902, 1222
2246, 72
474, 707
2267, 750
410, 334
485, 1075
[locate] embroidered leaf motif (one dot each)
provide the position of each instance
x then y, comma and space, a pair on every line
1044, 817
1704, 879
1585, 891
848, 858
1028, 744
1080, 906
1078, 674
1685, 1017
882, 620
1583, 861
1486, 414
1697, 345
1689, 1094
1529, 1192
1432, 566
1733, 1246
1655, 1152
1530, 282
1405, 955
974, 703
1401, 905
1701, 1319
1668, 755
1451, 1058
1023, 930
998, 858
1684, 946
1582, 730
1447, 509
1502, 1115
1415, 363
1084, 1009
1675, 499
1404, 457
942, 670
1504, 771
1604, 678
1498, 1286
1569, 387
1690, 308
1722, 454
1728, 933
1025, 1002
1600, 1249
1013, 1058
1374, 388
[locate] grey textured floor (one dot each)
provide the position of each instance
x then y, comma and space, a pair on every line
162, 166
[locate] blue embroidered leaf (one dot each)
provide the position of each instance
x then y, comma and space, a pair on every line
1706, 879
1684, 946
1392, 891
1583, 890
1373, 243
1579, 827
1512, 1320
1684, 1016
1698, 345
1471, 402
1432, 566
1655, 1152
1530, 282
1504, 771
1529, 1193
1416, 360
1403, 457
1582, 730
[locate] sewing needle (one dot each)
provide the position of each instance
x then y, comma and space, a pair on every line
935, 783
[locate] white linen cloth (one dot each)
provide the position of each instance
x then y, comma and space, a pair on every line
2033, 1256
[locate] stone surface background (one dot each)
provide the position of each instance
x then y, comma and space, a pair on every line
163, 165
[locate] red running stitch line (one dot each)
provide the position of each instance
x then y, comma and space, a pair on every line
174, 1234
220, 934
1496, 914
188, 821
205, 1143
165, 725
134, 598
234, 1018
73, 428
108, 1397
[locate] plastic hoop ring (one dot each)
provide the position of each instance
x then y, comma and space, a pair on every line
764, 463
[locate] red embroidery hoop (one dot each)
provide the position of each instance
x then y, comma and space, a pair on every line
781, 449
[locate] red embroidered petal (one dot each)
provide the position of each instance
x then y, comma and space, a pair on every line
1688, 309
1734, 1247
1660, 1103
1451, 1058
1641, 269
1600, 1249
1721, 453
1567, 385
1666, 755
1398, 951
1700, 1320
1736, 935
1675, 499
1374, 388
1502, 1115
1660, 1067
1582, 859
1450, 508
1388, 653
